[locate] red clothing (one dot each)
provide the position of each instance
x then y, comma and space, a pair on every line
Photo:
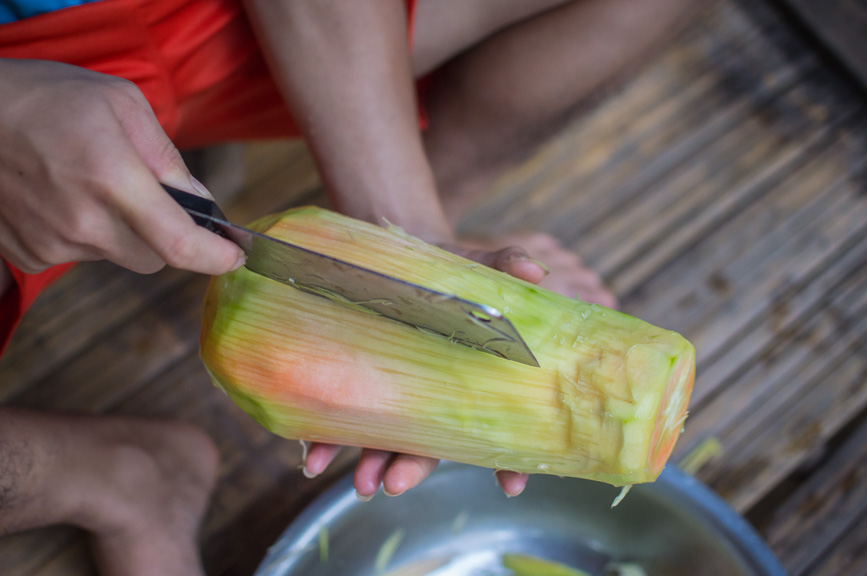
22, 294
196, 61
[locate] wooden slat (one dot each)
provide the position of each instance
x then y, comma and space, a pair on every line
776, 372
849, 554
75, 314
722, 283
785, 310
701, 195
714, 405
823, 509
160, 336
785, 409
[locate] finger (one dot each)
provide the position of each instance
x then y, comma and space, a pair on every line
603, 297
405, 472
512, 260
125, 248
319, 456
516, 262
526, 268
512, 483
149, 211
164, 226
594, 293
583, 284
88, 233
370, 471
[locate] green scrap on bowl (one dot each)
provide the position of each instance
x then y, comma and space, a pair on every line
460, 521
323, 544
525, 565
624, 569
421, 568
387, 550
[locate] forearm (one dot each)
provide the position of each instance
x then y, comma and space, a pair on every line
344, 70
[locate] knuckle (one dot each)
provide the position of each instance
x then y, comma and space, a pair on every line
84, 226
180, 253
37, 259
169, 159
124, 91
123, 97
29, 265
102, 191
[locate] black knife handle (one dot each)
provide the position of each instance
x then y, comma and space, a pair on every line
197, 204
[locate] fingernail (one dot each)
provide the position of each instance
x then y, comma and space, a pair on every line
497, 481
364, 498
303, 465
390, 494
515, 494
524, 258
242, 259
540, 264
200, 188
308, 474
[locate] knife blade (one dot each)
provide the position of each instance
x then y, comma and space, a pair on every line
470, 323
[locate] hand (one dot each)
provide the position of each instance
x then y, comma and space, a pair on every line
81, 159
397, 473
569, 275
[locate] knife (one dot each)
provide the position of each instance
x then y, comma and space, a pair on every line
476, 325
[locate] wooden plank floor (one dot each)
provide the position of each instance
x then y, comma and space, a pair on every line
721, 192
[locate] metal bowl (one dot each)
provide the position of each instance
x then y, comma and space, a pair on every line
458, 523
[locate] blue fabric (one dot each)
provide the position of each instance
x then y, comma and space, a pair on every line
14, 10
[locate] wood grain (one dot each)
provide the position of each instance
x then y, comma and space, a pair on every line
825, 509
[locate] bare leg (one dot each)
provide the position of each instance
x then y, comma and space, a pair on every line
139, 487
531, 67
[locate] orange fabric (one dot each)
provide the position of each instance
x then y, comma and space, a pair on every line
188, 57
22, 294
196, 61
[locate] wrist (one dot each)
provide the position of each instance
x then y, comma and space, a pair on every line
414, 207
426, 222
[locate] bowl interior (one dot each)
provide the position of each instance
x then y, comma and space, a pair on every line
458, 523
